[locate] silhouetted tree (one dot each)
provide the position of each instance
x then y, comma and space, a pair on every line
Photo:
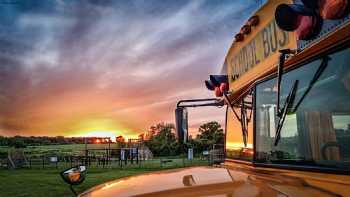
209, 133
163, 142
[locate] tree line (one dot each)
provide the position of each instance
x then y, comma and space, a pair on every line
23, 141
163, 141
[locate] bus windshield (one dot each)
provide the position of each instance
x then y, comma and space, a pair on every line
317, 132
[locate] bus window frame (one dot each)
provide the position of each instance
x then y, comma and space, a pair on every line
290, 68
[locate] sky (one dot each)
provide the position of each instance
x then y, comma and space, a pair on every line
77, 68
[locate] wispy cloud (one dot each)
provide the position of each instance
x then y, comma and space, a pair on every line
64, 62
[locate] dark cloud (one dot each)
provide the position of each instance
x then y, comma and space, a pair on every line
65, 63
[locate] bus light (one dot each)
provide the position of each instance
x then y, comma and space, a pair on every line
299, 18
218, 92
239, 37
333, 9
218, 84
329, 9
223, 87
209, 85
253, 21
246, 29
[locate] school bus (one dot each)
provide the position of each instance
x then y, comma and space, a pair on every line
286, 88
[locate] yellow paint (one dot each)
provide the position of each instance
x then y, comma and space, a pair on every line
250, 59
234, 179
258, 52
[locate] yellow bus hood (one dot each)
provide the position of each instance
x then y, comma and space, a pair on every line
208, 181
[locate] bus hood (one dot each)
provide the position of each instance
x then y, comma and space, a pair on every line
206, 181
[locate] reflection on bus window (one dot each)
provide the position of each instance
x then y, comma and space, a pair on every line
235, 148
317, 133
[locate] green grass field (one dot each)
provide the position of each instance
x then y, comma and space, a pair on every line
66, 149
47, 182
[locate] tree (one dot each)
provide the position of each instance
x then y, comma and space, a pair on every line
209, 133
163, 142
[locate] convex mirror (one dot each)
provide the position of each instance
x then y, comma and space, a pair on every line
74, 175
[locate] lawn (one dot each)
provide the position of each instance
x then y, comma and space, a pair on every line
47, 182
66, 149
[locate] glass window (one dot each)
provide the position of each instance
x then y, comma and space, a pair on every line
235, 147
317, 131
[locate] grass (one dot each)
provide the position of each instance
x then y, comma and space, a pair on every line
47, 182
65, 149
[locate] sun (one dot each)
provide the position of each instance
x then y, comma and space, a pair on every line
108, 134
100, 128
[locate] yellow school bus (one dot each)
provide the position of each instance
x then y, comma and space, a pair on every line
286, 86
293, 90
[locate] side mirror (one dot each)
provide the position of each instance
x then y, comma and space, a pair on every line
181, 117
74, 176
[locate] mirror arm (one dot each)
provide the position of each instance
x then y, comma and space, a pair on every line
227, 100
215, 103
244, 120
73, 191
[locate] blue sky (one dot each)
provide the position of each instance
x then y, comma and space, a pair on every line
121, 64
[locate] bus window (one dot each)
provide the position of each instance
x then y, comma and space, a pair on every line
235, 148
317, 131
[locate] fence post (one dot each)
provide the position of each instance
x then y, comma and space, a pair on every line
86, 155
107, 157
71, 161
137, 155
43, 158
126, 158
132, 155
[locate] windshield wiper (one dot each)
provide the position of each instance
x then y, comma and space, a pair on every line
314, 79
285, 110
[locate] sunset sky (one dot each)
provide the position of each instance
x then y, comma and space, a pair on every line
87, 67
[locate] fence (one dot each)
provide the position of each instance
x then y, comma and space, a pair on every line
117, 158
45, 163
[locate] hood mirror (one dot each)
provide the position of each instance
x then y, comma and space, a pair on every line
181, 124
74, 176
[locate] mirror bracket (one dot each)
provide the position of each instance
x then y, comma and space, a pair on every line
181, 114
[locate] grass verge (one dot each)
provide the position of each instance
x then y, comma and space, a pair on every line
47, 182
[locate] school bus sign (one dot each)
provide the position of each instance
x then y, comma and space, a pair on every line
259, 49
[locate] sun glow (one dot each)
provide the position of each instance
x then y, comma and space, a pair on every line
108, 134
105, 134
101, 127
